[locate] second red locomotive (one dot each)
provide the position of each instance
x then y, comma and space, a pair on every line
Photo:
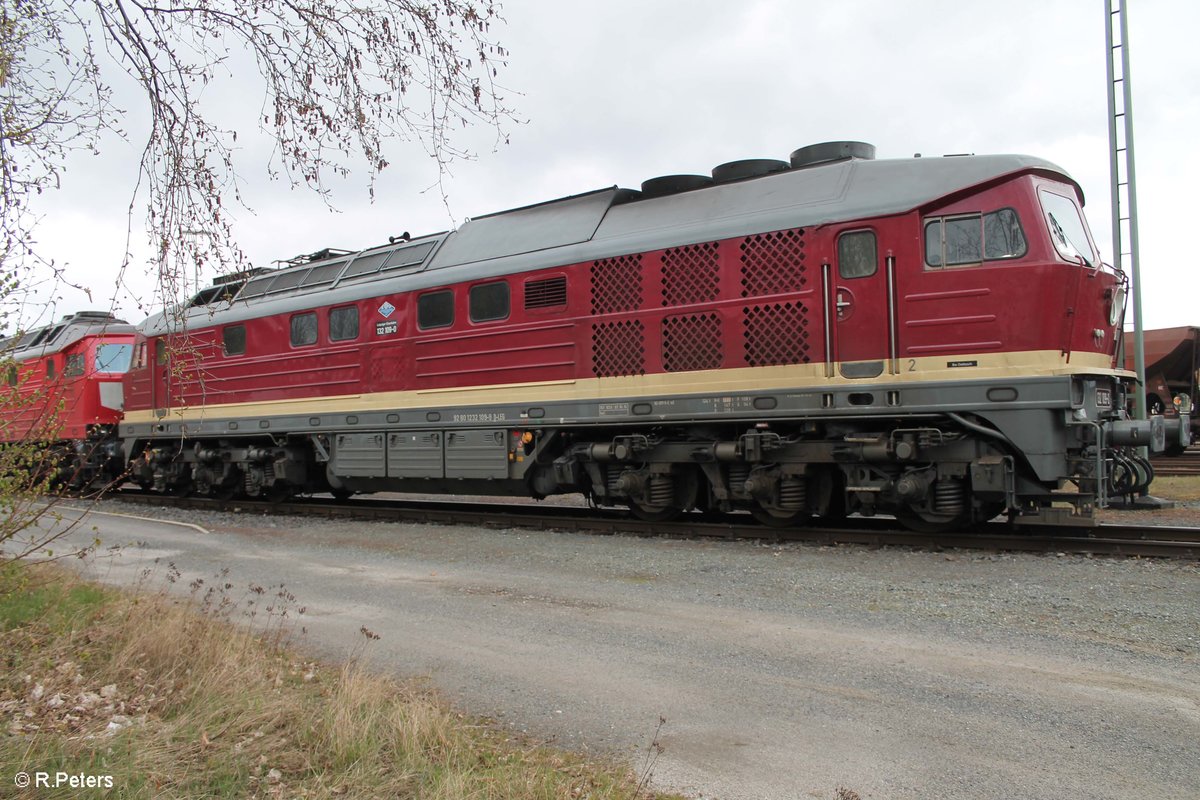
65, 394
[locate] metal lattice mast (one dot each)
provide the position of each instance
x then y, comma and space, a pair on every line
1124, 191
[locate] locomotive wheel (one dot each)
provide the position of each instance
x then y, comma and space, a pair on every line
779, 518
341, 495
655, 513
686, 486
928, 522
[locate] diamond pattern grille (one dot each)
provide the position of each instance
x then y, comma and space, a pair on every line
773, 263
776, 334
692, 342
618, 348
690, 274
617, 284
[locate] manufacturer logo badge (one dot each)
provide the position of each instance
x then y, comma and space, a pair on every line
387, 309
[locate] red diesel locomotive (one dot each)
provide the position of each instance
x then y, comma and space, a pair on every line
931, 338
65, 391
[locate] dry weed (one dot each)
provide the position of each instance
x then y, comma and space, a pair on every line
170, 698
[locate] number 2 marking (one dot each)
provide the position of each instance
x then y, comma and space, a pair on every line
912, 365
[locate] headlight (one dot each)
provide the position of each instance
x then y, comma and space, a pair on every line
1118, 305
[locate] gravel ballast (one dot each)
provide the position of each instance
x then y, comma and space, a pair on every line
782, 670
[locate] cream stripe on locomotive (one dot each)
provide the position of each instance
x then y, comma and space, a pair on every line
995, 366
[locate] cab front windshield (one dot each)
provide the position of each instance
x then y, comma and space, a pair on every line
1067, 228
113, 357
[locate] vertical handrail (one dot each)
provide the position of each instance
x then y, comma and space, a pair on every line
893, 333
825, 281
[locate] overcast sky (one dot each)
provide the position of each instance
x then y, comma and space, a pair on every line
624, 90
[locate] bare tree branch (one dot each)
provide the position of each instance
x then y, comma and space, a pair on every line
341, 81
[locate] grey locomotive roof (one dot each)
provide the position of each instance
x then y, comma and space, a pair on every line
606, 223
59, 336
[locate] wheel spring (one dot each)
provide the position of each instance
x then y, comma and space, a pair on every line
738, 473
949, 496
253, 484
611, 476
662, 490
792, 493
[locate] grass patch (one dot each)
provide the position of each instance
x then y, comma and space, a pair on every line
1176, 487
172, 699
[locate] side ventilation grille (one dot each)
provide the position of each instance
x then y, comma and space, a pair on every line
617, 284
773, 263
546, 293
776, 334
692, 342
690, 274
618, 348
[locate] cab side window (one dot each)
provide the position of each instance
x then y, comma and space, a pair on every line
74, 366
967, 239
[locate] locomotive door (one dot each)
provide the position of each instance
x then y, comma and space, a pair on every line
861, 292
160, 376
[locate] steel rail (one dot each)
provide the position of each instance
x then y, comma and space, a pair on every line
1106, 539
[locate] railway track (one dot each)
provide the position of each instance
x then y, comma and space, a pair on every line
1106, 539
1186, 464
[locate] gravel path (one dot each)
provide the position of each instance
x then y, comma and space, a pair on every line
783, 671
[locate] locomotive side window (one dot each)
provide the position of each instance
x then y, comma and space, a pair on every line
139, 361
74, 365
51, 369
1002, 235
304, 329
11, 375
160, 352
973, 238
1067, 228
857, 254
343, 323
233, 339
489, 301
435, 310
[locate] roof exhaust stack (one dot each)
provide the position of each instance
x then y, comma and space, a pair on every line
747, 168
830, 152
